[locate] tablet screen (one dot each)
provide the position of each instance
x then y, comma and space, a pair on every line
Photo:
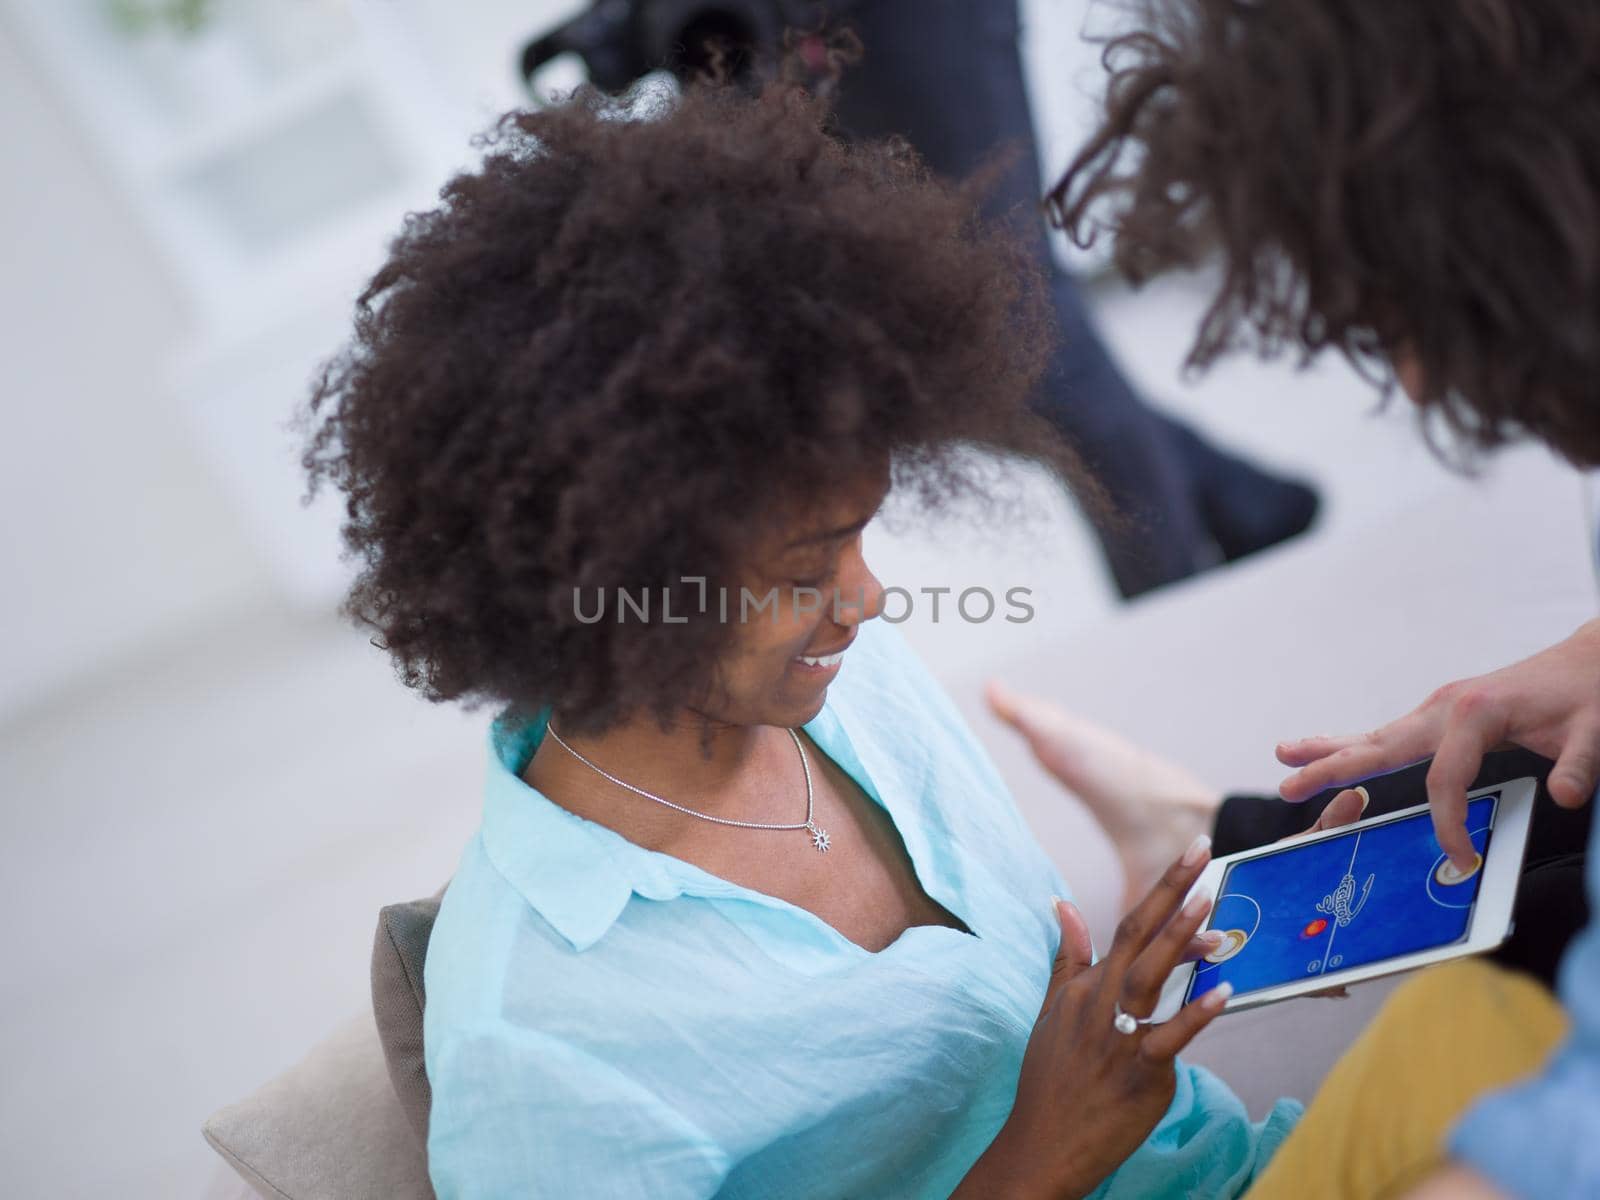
1330, 905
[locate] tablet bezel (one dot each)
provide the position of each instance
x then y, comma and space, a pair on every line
1491, 915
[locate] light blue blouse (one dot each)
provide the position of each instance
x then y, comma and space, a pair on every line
605, 1020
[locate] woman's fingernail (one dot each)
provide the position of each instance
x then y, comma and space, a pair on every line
1055, 905
1196, 848
1198, 903
1212, 937
1366, 798
1217, 996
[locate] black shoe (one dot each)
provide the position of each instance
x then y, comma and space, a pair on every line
1250, 510
1244, 508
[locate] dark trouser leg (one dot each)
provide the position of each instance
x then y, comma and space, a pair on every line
1550, 906
947, 75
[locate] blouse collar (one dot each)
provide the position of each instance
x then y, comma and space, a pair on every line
579, 874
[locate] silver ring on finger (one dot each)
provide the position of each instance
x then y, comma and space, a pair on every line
1124, 1022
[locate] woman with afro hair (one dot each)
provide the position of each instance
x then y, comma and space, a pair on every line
750, 913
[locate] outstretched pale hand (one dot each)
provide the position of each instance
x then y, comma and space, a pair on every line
1549, 704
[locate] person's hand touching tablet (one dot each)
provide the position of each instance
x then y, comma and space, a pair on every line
1096, 1075
1549, 703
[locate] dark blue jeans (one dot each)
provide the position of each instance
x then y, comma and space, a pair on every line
947, 75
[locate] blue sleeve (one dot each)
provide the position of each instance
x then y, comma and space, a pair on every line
1541, 1139
518, 1114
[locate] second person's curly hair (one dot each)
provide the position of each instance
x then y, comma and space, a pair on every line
1399, 181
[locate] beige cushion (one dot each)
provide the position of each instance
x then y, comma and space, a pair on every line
398, 949
329, 1128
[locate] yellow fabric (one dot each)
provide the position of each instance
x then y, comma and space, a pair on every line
1378, 1124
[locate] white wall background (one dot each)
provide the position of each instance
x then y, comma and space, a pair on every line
114, 533
126, 524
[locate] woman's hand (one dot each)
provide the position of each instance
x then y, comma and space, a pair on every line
1549, 704
1088, 1094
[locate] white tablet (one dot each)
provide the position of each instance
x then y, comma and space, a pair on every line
1356, 902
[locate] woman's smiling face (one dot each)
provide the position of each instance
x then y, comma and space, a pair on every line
806, 589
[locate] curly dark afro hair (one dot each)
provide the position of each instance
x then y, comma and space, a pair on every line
1412, 178
621, 349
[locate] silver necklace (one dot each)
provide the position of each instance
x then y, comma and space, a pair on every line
819, 836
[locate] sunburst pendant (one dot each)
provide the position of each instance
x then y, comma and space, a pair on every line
819, 837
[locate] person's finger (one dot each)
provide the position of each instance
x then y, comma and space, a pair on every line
1343, 809
1304, 751
1147, 918
1202, 944
1141, 986
1466, 740
1339, 769
1164, 1042
1577, 771
1076, 951
1397, 744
